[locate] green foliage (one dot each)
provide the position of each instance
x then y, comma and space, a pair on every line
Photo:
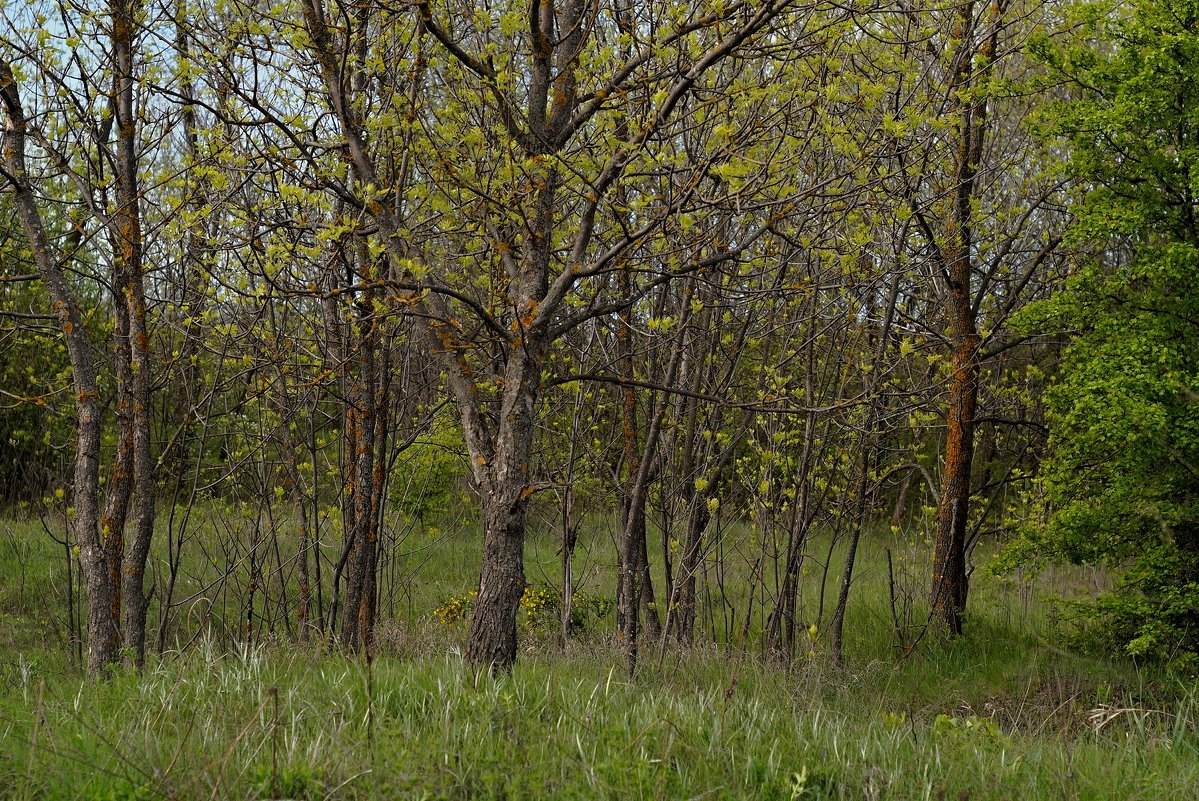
1151, 615
432, 470
119, 790
297, 782
34, 411
968, 727
1123, 470
540, 610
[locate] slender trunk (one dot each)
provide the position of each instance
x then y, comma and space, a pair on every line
349, 462
570, 532
680, 612
126, 238
780, 630
316, 529
649, 605
570, 537
103, 638
634, 587
137, 601
948, 595
370, 472
295, 491
195, 254
867, 447
680, 620
358, 619
632, 518
682, 605
901, 500
837, 624
633, 554
114, 516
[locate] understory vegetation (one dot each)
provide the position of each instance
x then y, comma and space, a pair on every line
276, 723
1003, 712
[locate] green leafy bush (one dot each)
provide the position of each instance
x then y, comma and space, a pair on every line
1122, 472
540, 610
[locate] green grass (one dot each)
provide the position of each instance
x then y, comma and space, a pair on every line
306, 725
1005, 712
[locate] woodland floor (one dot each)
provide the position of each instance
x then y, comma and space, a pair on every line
1004, 712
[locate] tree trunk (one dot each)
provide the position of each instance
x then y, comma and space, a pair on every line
632, 517
114, 516
103, 636
949, 559
901, 499
972, 66
780, 631
125, 236
358, 617
682, 605
295, 491
504, 482
492, 637
837, 624
133, 564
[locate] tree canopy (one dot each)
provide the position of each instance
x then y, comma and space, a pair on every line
1122, 471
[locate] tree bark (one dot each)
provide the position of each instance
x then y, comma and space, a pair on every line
631, 546
491, 640
949, 559
103, 635
358, 619
127, 247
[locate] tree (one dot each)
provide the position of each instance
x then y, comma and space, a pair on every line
525, 160
1122, 472
981, 225
92, 140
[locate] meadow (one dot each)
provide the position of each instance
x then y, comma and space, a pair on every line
1004, 712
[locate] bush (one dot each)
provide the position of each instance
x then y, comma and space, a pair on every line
540, 610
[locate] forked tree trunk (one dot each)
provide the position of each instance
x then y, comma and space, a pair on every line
682, 605
504, 483
528, 241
